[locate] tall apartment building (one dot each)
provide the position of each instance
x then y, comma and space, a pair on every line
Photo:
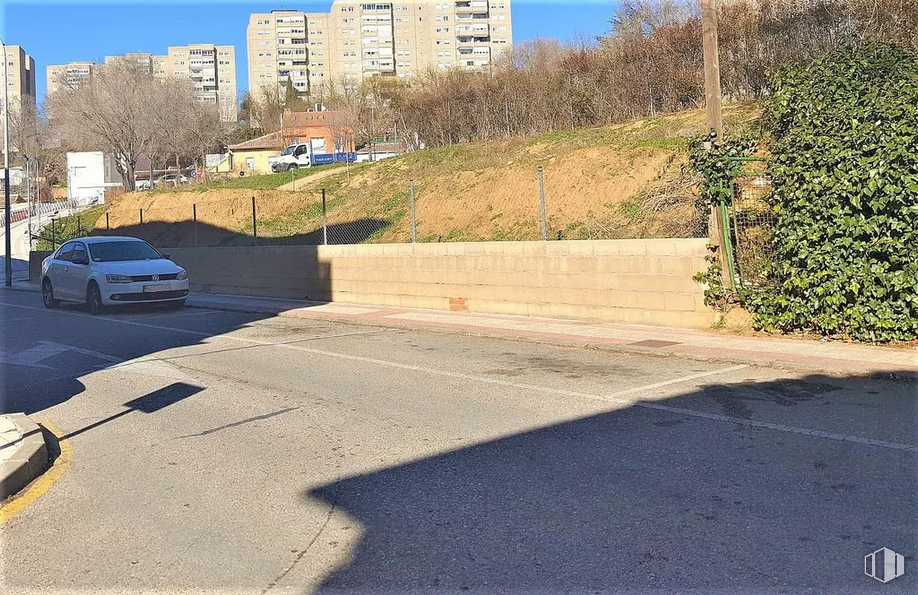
210, 68
359, 39
143, 60
72, 73
20, 78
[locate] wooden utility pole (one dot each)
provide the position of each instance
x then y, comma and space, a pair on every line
712, 101
711, 68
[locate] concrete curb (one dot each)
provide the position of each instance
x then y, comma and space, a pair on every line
29, 461
27, 286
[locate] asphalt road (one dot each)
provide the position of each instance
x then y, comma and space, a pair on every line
234, 453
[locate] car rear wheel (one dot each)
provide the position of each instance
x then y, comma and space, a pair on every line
47, 294
94, 299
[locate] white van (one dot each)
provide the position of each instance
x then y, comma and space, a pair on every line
294, 157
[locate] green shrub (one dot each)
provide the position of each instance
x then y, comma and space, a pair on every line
69, 227
843, 134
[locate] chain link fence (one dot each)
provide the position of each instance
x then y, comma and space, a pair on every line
467, 208
543, 205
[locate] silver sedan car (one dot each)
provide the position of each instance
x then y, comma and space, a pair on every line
108, 271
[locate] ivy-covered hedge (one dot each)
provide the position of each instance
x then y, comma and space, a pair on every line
843, 135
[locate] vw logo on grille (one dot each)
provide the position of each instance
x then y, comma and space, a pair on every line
156, 277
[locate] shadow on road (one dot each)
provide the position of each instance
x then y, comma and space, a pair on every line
43, 353
26, 387
149, 403
656, 497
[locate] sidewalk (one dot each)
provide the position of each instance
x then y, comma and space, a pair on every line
830, 356
808, 354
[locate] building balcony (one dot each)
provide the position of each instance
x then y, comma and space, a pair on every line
470, 17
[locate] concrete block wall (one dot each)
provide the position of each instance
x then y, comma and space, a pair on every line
35, 259
632, 281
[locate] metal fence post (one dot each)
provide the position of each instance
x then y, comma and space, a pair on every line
414, 220
542, 203
79, 224
107, 226
727, 244
293, 178
324, 221
141, 216
254, 225
194, 218
53, 235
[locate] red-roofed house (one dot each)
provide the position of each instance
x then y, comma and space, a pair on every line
326, 131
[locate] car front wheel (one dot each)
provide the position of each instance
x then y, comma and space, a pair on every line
47, 294
94, 299
292, 167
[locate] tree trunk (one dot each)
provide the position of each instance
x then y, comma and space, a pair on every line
127, 172
203, 171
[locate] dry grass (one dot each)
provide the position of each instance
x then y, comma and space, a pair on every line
619, 181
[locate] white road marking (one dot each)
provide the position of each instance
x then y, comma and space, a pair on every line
96, 354
614, 398
631, 391
32, 356
150, 366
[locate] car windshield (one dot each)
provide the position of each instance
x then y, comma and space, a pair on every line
120, 251
287, 151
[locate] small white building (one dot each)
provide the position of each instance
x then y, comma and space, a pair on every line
89, 174
16, 179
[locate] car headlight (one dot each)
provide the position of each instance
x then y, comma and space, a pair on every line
118, 279
182, 275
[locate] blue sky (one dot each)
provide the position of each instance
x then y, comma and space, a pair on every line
55, 32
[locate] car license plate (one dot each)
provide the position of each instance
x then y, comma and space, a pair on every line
155, 288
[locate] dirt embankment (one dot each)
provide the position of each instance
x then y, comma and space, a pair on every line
619, 181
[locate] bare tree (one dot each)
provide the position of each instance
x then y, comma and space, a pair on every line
201, 129
650, 62
24, 130
30, 139
110, 113
268, 111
